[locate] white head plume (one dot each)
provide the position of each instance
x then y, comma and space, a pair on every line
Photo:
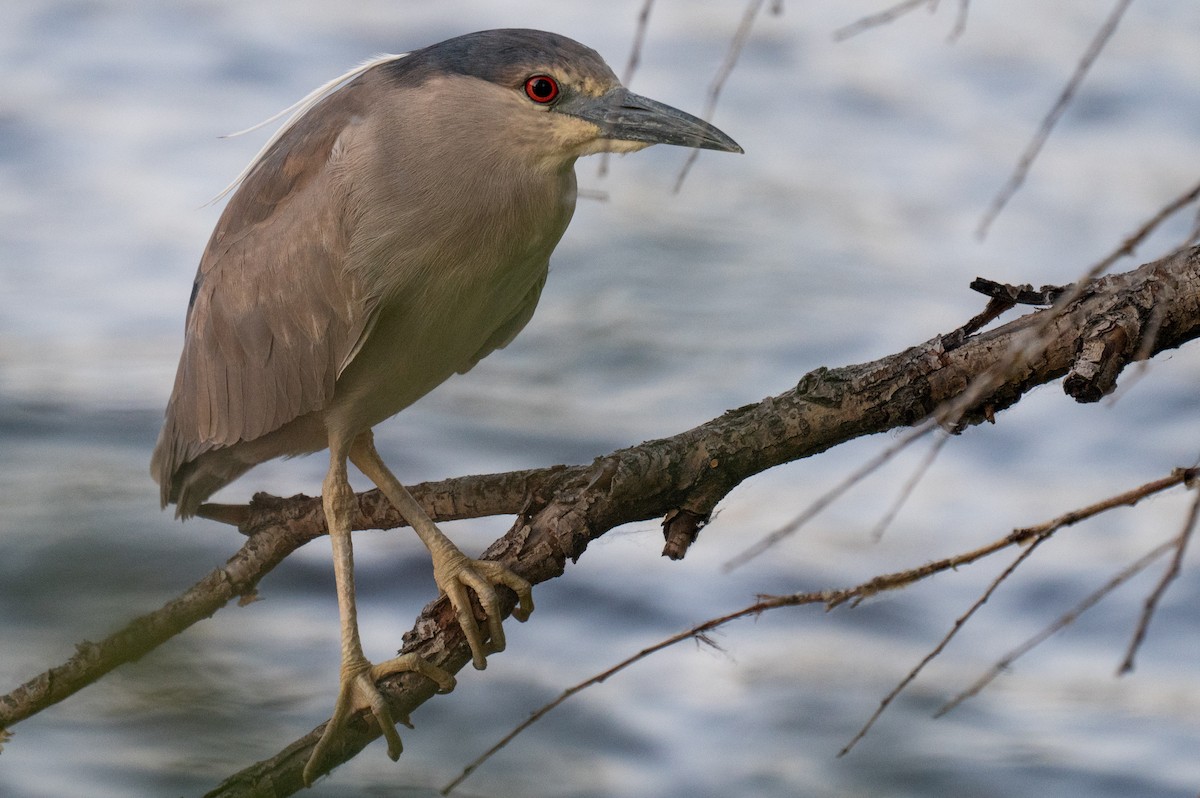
297, 110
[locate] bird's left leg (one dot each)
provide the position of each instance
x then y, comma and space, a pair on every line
453, 571
358, 676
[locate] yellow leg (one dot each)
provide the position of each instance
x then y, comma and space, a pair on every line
453, 571
357, 689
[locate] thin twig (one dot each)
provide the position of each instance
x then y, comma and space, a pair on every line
1131, 244
1051, 119
1130, 498
909, 486
1039, 534
639, 38
958, 624
882, 18
829, 497
830, 598
1134, 239
1180, 543
960, 22
698, 632
1063, 621
635, 57
835, 598
714, 90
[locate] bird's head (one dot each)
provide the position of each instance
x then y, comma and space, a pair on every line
548, 93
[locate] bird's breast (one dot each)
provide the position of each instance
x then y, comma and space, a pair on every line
451, 277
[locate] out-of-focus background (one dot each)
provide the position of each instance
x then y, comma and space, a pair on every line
846, 232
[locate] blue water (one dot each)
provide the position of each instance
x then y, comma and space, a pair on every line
845, 233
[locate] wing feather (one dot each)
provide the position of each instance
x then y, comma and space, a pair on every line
274, 314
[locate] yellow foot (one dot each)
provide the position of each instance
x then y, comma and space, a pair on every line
454, 572
358, 692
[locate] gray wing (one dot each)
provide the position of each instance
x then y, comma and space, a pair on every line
273, 314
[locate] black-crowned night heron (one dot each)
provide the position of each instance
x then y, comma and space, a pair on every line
395, 232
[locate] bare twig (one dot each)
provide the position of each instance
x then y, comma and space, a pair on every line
1051, 119
910, 485
893, 13
698, 633
830, 598
1019, 294
829, 497
1039, 534
1130, 498
639, 38
958, 624
884, 17
1063, 621
960, 22
1134, 239
635, 57
1180, 543
726, 69
834, 598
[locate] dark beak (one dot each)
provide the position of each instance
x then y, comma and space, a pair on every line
625, 116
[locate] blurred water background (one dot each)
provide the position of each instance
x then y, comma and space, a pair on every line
845, 233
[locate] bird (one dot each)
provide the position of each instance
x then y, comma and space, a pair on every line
396, 230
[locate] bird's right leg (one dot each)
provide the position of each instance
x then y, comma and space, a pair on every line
453, 571
358, 676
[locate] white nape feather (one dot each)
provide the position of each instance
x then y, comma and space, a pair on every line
297, 110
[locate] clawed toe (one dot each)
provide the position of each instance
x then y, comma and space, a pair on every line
455, 573
358, 692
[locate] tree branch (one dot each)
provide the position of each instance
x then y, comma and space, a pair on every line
561, 510
1010, 187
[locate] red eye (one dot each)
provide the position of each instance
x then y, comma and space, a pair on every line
542, 89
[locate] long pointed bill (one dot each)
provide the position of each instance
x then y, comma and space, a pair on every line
624, 116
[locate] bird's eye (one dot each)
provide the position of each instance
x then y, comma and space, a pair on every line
542, 89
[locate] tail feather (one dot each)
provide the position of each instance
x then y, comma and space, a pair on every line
187, 474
